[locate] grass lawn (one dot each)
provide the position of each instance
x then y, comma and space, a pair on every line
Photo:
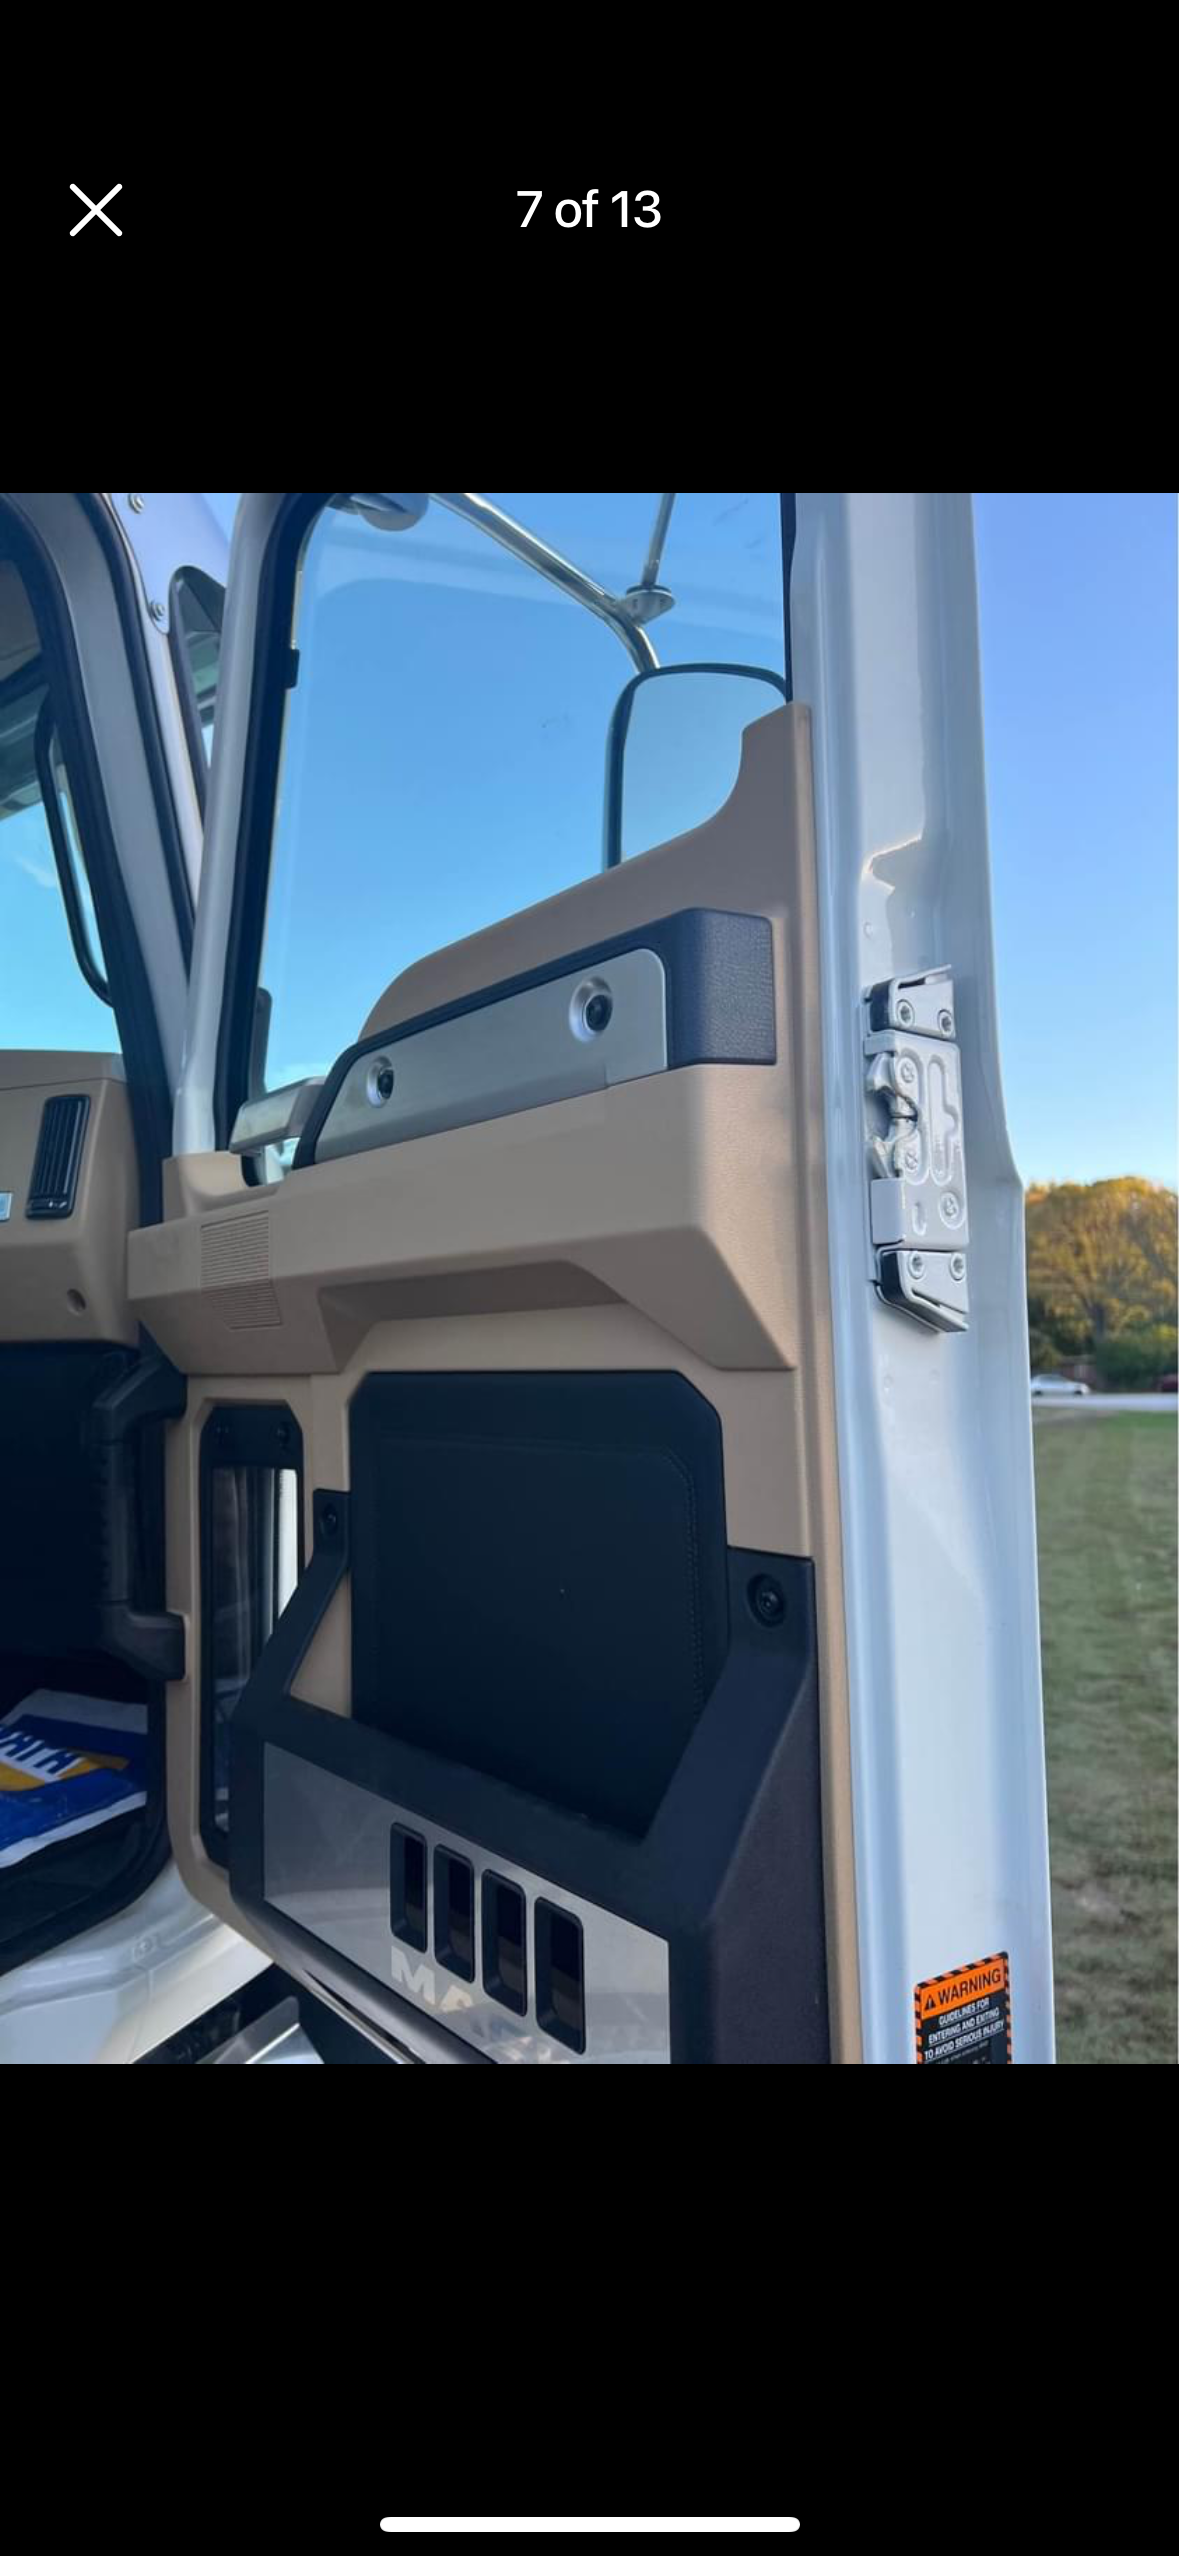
1106, 1509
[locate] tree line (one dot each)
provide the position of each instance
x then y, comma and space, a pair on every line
1103, 1274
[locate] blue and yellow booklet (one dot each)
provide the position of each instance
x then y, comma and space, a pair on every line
67, 1763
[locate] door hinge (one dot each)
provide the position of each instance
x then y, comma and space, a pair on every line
917, 1169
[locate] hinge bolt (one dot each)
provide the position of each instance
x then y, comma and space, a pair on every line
951, 1208
906, 1070
957, 1265
157, 611
916, 1263
136, 504
905, 1015
945, 1022
912, 1156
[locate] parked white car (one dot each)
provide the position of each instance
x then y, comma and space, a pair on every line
1058, 1386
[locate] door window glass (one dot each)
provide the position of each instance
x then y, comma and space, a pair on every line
447, 718
52, 971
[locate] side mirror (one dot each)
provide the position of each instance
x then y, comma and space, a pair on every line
674, 750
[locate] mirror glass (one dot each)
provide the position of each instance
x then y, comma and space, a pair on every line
675, 750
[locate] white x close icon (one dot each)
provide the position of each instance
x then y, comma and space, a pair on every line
95, 208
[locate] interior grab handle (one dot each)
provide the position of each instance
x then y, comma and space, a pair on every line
274, 1116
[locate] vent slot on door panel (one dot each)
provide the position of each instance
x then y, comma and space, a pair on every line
54, 1185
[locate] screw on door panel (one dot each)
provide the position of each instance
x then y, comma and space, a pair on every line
592, 1008
766, 1600
379, 1081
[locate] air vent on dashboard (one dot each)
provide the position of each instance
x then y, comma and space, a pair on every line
54, 1184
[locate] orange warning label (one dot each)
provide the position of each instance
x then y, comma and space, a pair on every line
965, 2015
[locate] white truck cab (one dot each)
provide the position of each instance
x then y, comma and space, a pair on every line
515, 1446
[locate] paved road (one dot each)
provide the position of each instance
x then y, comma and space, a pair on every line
1069, 1406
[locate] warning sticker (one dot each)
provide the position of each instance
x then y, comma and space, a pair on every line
965, 2016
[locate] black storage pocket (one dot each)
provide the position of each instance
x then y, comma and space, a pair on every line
539, 1577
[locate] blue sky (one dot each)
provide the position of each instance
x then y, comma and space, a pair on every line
1077, 604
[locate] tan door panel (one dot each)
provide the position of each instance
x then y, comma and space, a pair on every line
554, 1206
676, 1193
677, 1222
65, 1278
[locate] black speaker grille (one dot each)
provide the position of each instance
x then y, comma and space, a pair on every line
54, 1184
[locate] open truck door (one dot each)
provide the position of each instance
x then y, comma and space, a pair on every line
601, 1514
